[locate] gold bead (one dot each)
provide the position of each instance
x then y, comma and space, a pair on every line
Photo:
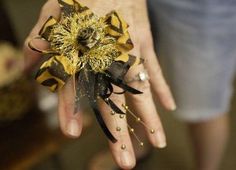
123, 146
118, 129
141, 143
106, 99
131, 130
113, 113
138, 119
152, 131
122, 116
125, 106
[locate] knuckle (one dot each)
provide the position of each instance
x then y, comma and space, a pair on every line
144, 87
44, 16
141, 85
158, 70
44, 8
44, 11
117, 99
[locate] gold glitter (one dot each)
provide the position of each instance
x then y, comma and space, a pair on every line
66, 35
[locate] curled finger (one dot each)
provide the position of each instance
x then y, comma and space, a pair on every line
51, 8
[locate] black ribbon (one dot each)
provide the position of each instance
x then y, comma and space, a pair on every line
120, 83
102, 123
98, 84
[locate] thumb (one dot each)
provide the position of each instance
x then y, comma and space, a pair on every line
50, 8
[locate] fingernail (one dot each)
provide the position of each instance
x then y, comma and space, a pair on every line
73, 128
126, 159
160, 139
172, 106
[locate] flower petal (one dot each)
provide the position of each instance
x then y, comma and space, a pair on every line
47, 28
118, 28
129, 59
54, 72
72, 6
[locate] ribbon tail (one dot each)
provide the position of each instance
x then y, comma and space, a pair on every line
120, 83
88, 85
112, 105
102, 123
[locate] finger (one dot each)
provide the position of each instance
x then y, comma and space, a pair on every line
70, 122
158, 83
51, 8
122, 150
143, 107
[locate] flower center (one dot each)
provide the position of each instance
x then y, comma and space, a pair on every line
88, 37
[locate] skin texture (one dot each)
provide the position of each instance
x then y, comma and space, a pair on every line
143, 105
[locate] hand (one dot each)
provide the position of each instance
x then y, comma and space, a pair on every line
135, 14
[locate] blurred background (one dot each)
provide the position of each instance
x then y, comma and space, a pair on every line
30, 136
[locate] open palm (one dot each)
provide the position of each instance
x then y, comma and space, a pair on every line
135, 14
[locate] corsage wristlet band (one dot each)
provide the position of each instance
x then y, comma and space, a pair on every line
91, 50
